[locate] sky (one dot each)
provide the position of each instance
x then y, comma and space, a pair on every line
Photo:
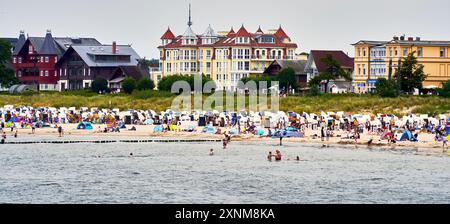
312, 24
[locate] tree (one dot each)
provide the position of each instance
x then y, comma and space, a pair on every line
445, 90
286, 79
7, 76
99, 85
387, 88
145, 84
333, 71
410, 75
128, 85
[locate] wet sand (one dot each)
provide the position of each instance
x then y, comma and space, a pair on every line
426, 143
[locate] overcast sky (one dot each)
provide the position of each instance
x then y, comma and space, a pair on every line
312, 24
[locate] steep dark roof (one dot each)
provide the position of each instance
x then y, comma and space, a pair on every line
134, 72
297, 65
49, 46
19, 44
343, 59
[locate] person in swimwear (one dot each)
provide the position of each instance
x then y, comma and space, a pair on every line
269, 157
278, 155
211, 152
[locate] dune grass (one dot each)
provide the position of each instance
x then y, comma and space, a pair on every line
159, 101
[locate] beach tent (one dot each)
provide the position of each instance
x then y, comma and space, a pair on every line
85, 126
259, 132
209, 130
157, 129
386, 135
406, 136
149, 122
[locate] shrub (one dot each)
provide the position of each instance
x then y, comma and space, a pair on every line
387, 88
99, 85
445, 90
145, 84
128, 85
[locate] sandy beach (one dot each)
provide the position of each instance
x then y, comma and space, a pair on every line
426, 143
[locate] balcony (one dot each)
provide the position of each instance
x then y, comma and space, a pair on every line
26, 65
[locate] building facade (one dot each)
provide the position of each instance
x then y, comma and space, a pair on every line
34, 59
225, 57
381, 59
81, 65
314, 66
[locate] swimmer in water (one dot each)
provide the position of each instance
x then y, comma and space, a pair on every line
269, 157
278, 155
298, 158
131, 154
211, 152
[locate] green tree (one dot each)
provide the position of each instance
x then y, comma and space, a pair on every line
99, 85
445, 90
7, 76
128, 85
410, 75
145, 84
387, 88
333, 71
286, 79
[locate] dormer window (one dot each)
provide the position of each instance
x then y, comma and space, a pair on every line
242, 40
266, 40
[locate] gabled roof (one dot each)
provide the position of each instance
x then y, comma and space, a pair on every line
87, 54
189, 34
297, 65
242, 32
209, 32
343, 59
19, 43
259, 31
280, 33
168, 35
48, 46
231, 33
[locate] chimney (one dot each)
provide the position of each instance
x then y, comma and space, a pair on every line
402, 37
395, 38
114, 47
417, 38
410, 39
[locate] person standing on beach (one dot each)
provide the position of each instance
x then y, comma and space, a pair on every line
33, 128
322, 133
16, 133
3, 137
60, 131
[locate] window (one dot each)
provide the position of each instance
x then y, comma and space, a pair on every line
359, 69
56, 59
42, 73
419, 52
442, 52
20, 60
46, 59
46, 73
14, 60
390, 51
364, 52
169, 67
405, 52
359, 52
42, 59
208, 54
208, 67
396, 51
30, 49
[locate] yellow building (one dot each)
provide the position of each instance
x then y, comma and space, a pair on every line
224, 57
374, 59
